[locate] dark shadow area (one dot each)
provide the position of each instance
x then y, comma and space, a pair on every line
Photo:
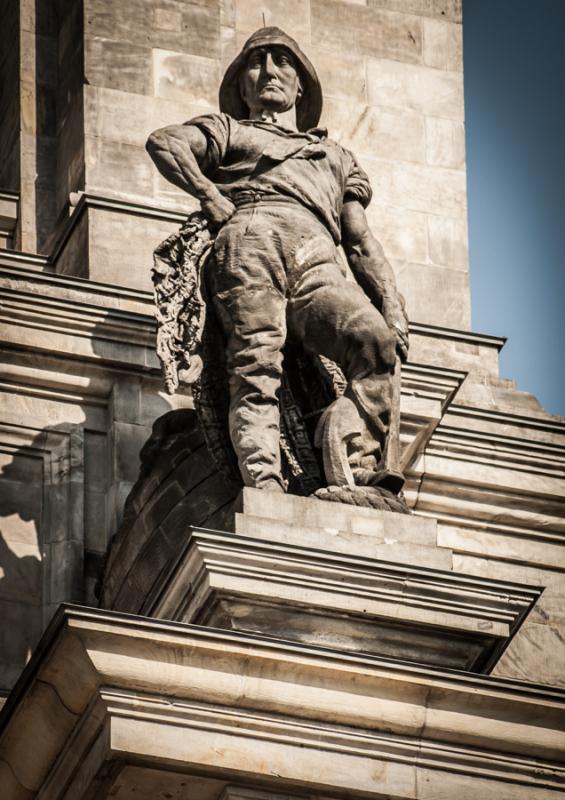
59, 107
20, 575
9, 96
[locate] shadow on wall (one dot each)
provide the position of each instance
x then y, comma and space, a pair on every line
20, 563
60, 494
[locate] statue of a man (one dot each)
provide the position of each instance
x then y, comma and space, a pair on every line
281, 197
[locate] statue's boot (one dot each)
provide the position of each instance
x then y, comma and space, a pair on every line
339, 425
356, 448
350, 465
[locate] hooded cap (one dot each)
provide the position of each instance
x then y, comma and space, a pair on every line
309, 107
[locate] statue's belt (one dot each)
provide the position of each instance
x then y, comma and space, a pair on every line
253, 199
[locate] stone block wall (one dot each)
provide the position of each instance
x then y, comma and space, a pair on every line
80, 389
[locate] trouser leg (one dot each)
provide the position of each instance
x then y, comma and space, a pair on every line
253, 321
334, 317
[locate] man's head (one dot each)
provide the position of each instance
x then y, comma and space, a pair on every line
269, 80
272, 73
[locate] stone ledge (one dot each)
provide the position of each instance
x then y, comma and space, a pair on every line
348, 602
543, 421
242, 707
25, 273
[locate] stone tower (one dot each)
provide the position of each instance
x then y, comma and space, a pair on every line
268, 650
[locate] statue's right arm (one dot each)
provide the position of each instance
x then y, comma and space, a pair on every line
177, 151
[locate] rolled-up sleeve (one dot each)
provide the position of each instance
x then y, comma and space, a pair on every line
216, 129
357, 186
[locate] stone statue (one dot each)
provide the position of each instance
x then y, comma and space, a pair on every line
261, 263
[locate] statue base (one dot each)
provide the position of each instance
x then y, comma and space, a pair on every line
198, 549
351, 579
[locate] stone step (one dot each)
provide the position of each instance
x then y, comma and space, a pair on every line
309, 512
383, 540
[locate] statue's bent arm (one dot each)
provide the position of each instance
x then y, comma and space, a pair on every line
373, 272
177, 151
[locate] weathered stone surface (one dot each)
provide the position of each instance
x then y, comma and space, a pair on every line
118, 64
447, 238
402, 233
445, 9
115, 236
248, 325
368, 31
445, 143
167, 53
118, 168
383, 133
303, 511
492, 471
427, 287
295, 589
433, 92
418, 188
292, 15
60, 505
342, 75
185, 78
443, 44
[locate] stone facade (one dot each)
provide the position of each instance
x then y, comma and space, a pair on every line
112, 704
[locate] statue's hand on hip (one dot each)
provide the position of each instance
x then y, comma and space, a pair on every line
217, 209
394, 312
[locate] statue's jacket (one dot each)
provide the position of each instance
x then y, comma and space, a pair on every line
252, 157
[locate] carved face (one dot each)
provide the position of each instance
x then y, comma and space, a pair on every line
270, 80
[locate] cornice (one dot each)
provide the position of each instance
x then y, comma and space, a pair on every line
294, 580
23, 261
15, 271
106, 203
542, 422
15, 265
166, 693
88, 624
469, 337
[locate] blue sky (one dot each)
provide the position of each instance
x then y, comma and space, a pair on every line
514, 53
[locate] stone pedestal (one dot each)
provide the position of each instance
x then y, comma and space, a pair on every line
352, 579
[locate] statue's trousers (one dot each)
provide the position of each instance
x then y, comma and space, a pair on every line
275, 271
